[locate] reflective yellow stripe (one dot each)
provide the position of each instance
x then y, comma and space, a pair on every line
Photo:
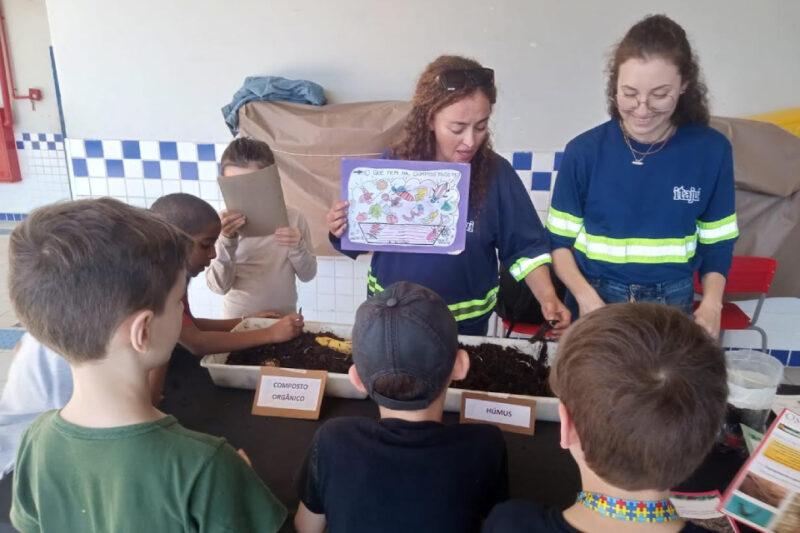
562, 223
473, 308
525, 265
717, 230
461, 310
636, 250
372, 283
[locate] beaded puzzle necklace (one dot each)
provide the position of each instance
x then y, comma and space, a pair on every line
629, 510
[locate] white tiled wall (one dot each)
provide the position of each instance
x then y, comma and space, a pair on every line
340, 285
44, 177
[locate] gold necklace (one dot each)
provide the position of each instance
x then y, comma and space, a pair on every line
639, 161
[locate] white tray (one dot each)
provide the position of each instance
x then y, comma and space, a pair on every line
339, 386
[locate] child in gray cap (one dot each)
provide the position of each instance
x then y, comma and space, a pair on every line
405, 471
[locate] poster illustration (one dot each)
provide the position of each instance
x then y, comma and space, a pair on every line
405, 206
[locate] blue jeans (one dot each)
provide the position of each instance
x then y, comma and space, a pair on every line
678, 294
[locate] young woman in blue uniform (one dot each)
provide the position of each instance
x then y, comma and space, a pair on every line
644, 200
449, 121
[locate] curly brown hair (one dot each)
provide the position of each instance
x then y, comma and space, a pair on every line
418, 142
660, 36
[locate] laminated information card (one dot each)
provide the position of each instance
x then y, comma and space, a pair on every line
765, 494
289, 393
405, 206
516, 415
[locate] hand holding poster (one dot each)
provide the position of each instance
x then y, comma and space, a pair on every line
405, 206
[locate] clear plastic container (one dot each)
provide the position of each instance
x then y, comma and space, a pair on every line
753, 379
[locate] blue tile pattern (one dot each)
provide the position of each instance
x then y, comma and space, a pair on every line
152, 170
522, 160
10, 337
205, 152
39, 141
541, 181
557, 161
130, 150
537, 170
93, 148
149, 159
79, 167
169, 150
189, 170
114, 168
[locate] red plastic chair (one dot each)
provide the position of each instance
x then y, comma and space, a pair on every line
748, 274
522, 329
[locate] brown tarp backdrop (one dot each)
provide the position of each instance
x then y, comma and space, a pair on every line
766, 162
309, 142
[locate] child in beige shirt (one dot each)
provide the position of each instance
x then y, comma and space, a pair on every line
256, 273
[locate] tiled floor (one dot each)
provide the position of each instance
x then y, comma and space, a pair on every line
7, 317
781, 317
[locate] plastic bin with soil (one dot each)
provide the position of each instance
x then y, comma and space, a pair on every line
493, 368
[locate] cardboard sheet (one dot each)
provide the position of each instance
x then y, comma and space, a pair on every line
766, 162
259, 197
309, 143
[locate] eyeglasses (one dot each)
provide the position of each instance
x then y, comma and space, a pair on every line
453, 80
657, 103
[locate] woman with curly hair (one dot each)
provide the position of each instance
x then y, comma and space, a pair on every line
646, 199
449, 121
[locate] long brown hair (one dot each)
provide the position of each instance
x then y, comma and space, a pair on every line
419, 142
660, 36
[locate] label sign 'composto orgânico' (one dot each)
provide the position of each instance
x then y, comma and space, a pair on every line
289, 393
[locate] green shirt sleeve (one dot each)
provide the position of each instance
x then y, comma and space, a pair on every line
228, 496
24, 516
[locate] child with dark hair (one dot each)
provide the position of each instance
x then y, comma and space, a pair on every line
257, 273
102, 284
406, 471
643, 391
202, 336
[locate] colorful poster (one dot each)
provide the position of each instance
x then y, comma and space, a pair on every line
405, 206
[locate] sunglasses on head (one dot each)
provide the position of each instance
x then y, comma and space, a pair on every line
453, 80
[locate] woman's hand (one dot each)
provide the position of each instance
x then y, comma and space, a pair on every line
288, 236
231, 222
708, 315
554, 310
337, 218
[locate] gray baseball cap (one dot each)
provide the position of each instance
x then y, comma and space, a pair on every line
405, 330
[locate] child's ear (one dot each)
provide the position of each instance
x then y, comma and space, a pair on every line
569, 437
140, 332
460, 366
355, 379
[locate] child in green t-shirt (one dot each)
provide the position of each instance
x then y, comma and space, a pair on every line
102, 284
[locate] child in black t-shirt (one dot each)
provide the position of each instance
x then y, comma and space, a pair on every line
643, 392
406, 471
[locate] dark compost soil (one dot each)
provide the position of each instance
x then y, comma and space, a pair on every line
493, 368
